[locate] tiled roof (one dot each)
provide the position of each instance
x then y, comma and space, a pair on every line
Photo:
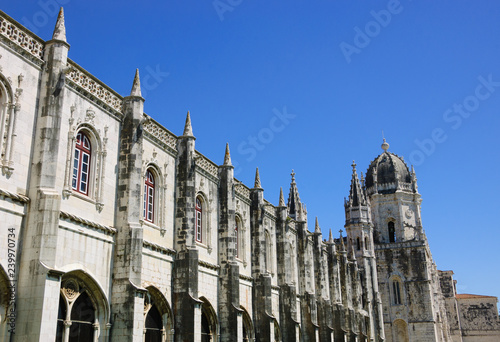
469, 296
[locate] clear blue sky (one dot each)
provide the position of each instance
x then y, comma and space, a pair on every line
333, 75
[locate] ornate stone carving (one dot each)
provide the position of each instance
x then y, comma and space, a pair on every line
71, 289
83, 79
160, 133
21, 38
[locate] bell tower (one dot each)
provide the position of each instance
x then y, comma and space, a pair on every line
408, 280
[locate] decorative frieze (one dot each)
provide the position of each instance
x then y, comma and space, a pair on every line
13, 196
160, 133
80, 220
98, 90
21, 37
157, 248
206, 165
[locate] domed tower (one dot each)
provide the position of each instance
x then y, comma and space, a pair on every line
395, 201
413, 305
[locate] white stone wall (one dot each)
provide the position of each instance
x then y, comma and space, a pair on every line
11, 67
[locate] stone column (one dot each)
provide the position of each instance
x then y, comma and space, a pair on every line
127, 299
38, 290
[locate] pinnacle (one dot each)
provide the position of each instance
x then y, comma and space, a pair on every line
227, 156
282, 199
136, 86
257, 180
188, 130
330, 238
316, 226
60, 29
385, 145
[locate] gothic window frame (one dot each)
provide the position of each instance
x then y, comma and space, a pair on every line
97, 165
198, 220
358, 243
397, 290
9, 111
74, 285
210, 314
82, 161
155, 298
269, 252
158, 200
240, 238
149, 197
391, 231
206, 241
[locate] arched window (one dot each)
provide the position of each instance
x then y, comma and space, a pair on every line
157, 317
208, 322
269, 258
396, 292
82, 319
247, 326
149, 197
392, 231
199, 220
237, 236
82, 309
154, 325
81, 164
358, 243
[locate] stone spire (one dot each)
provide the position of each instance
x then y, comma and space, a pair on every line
414, 179
60, 29
257, 180
136, 87
352, 254
188, 130
342, 245
317, 229
294, 204
356, 196
227, 156
282, 199
330, 238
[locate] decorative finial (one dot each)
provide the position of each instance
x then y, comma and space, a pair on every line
188, 130
353, 166
60, 29
293, 176
385, 145
257, 180
330, 238
317, 229
342, 240
227, 156
136, 86
282, 199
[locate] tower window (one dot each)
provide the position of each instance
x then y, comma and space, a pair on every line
396, 292
149, 197
237, 236
81, 164
392, 232
358, 243
199, 220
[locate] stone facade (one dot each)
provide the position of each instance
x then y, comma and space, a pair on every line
118, 230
